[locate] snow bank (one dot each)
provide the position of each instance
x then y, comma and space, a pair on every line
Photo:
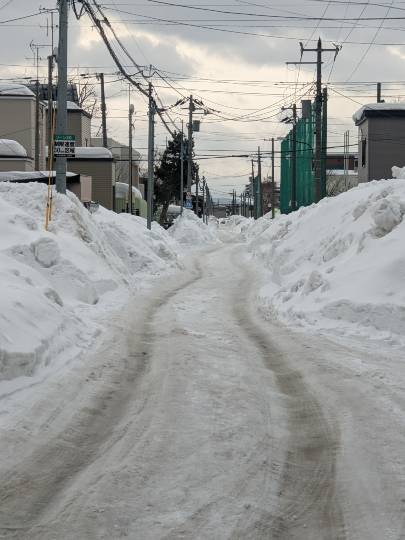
189, 230
338, 266
55, 285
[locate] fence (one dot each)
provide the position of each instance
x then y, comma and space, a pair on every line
305, 144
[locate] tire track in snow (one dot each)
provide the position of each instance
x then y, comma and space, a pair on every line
29, 489
307, 502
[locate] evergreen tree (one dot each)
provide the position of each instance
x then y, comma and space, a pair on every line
167, 174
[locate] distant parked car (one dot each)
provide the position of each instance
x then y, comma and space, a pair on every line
173, 212
91, 206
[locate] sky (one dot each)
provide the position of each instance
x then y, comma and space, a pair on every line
231, 55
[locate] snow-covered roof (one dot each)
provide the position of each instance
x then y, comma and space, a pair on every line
121, 190
10, 148
10, 89
92, 152
380, 107
341, 172
21, 176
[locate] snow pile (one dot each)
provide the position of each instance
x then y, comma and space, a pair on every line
338, 266
56, 285
11, 148
189, 230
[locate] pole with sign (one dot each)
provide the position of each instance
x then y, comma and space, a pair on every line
64, 146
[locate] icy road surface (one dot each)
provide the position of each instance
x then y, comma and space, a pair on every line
196, 420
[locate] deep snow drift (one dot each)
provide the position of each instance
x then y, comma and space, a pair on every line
55, 285
338, 266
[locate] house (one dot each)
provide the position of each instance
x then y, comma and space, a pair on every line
120, 153
13, 156
17, 121
341, 172
98, 163
267, 191
78, 123
381, 139
336, 161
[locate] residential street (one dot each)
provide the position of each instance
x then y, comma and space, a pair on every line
196, 419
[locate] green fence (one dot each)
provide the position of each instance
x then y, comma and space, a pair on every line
305, 170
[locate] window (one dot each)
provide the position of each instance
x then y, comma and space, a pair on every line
363, 152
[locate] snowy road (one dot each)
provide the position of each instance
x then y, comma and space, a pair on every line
196, 420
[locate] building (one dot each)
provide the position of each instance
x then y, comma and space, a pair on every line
267, 190
17, 121
381, 139
13, 156
336, 161
98, 163
78, 123
120, 153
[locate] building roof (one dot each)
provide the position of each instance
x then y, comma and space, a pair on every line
91, 152
11, 89
34, 176
10, 148
72, 94
379, 110
121, 190
116, 148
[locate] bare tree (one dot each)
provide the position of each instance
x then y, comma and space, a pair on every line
88, 99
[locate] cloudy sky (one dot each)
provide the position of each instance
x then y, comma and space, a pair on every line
230, 54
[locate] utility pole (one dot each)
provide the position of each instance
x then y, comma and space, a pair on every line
61, 125
294, 160
259, 185
273, 182
190, 144
252, 190
318, 110
203, 200
151, 156
130, 172
35, 49
51, 111
324, 140
197, 181
100, 76
182, 168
